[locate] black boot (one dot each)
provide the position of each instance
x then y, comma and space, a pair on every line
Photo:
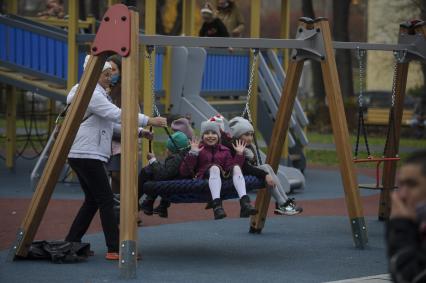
218, 210
161, 209
246, 208
147, 205
209, 205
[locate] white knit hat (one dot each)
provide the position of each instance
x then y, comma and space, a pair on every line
239, 126
210, 126
206, 10
107, 65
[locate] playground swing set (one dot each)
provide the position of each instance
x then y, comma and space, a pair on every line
362, 128
313, 41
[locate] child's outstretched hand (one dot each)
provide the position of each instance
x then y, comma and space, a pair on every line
195, 144
239, 146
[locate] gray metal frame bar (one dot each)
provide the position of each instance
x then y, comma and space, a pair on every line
371, 46
190, 41
263, 43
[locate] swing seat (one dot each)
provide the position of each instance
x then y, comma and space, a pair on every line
373, 187
196, 190
378, 160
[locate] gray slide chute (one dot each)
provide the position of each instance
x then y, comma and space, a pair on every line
187, 75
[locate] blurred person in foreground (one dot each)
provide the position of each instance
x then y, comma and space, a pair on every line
406, 230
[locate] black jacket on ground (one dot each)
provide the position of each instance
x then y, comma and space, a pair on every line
407, 250
214, 29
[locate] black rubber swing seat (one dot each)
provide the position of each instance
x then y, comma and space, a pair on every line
196, 190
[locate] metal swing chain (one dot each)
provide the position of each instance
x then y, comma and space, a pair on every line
150, 49
360, 55
246, 111
399, 58
155, 110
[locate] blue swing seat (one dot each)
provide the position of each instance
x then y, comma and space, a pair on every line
196, 190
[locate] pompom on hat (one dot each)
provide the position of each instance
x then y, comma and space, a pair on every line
219, 120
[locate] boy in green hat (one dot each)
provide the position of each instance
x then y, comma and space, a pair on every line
177, 147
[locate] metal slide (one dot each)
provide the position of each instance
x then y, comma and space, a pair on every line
187, 73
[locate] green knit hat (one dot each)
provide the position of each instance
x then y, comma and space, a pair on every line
180, 141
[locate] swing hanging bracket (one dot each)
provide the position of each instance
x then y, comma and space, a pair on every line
412, 37
314, 48
117, 22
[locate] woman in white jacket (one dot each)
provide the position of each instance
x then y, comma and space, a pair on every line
88, 154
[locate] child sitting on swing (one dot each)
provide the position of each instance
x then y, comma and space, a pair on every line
242, 129
213, 161
177, 147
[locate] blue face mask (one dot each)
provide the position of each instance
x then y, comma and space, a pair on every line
115, 78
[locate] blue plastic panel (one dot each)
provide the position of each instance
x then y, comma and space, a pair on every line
38, 52
226, 73
159, 60
33, 51
3, 41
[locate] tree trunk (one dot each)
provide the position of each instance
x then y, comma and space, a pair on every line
317, 81
94, 9
423, 17
82, 10
423, 96
343, 56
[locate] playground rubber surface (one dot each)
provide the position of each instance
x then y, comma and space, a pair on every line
191, 247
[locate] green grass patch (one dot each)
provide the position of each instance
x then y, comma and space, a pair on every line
328, 139
41, 124
329, 158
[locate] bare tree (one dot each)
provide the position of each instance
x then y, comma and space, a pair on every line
317, 81
422, 6
341, 10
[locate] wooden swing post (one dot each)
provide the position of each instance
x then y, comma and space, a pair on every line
278, 136
279, 133
339, 125
389, 168
116, 21
129, 155
57, 158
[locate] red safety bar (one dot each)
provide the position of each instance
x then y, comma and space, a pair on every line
379, 161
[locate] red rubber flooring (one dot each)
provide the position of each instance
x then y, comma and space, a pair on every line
60, 214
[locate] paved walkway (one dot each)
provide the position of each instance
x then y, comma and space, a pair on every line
382, 278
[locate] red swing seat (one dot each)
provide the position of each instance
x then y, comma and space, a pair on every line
378, 161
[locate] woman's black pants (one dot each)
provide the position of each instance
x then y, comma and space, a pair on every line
98, 195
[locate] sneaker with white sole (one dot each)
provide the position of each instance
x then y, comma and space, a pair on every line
288, 208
